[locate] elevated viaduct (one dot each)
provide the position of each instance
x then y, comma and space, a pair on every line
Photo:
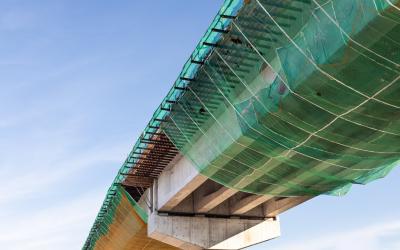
281, 101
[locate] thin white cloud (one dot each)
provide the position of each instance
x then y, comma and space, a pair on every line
18, 185
28, 225
374, 237
58, 227
41, 158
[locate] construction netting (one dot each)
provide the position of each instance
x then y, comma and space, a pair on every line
282, 97
124, 227
107, 214
297, 98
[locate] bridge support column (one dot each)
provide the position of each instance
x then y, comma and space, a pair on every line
192, 232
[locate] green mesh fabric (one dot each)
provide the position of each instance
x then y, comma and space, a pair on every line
285, 97
298, 98
190, 69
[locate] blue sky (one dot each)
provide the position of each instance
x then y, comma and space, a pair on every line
79, 80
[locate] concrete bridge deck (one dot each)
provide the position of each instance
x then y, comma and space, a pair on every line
281, 101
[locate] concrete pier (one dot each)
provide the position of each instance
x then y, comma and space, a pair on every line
190, 211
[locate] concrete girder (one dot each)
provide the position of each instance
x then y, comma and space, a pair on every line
214, 199
190, 232
275, 207
248, 203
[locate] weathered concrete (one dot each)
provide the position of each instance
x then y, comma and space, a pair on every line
278, 206
189, 211
210, 233
264, 231
212, 200
248, 203
176, 183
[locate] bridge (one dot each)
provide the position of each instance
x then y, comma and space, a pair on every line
281, 101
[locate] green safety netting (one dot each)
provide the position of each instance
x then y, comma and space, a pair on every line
285, 97
112, 199
298, 98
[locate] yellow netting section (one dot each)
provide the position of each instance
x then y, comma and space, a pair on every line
126, 229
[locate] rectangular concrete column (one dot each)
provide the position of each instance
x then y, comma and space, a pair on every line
189, 232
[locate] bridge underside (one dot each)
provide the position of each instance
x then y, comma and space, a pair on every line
192, 213
280, 102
